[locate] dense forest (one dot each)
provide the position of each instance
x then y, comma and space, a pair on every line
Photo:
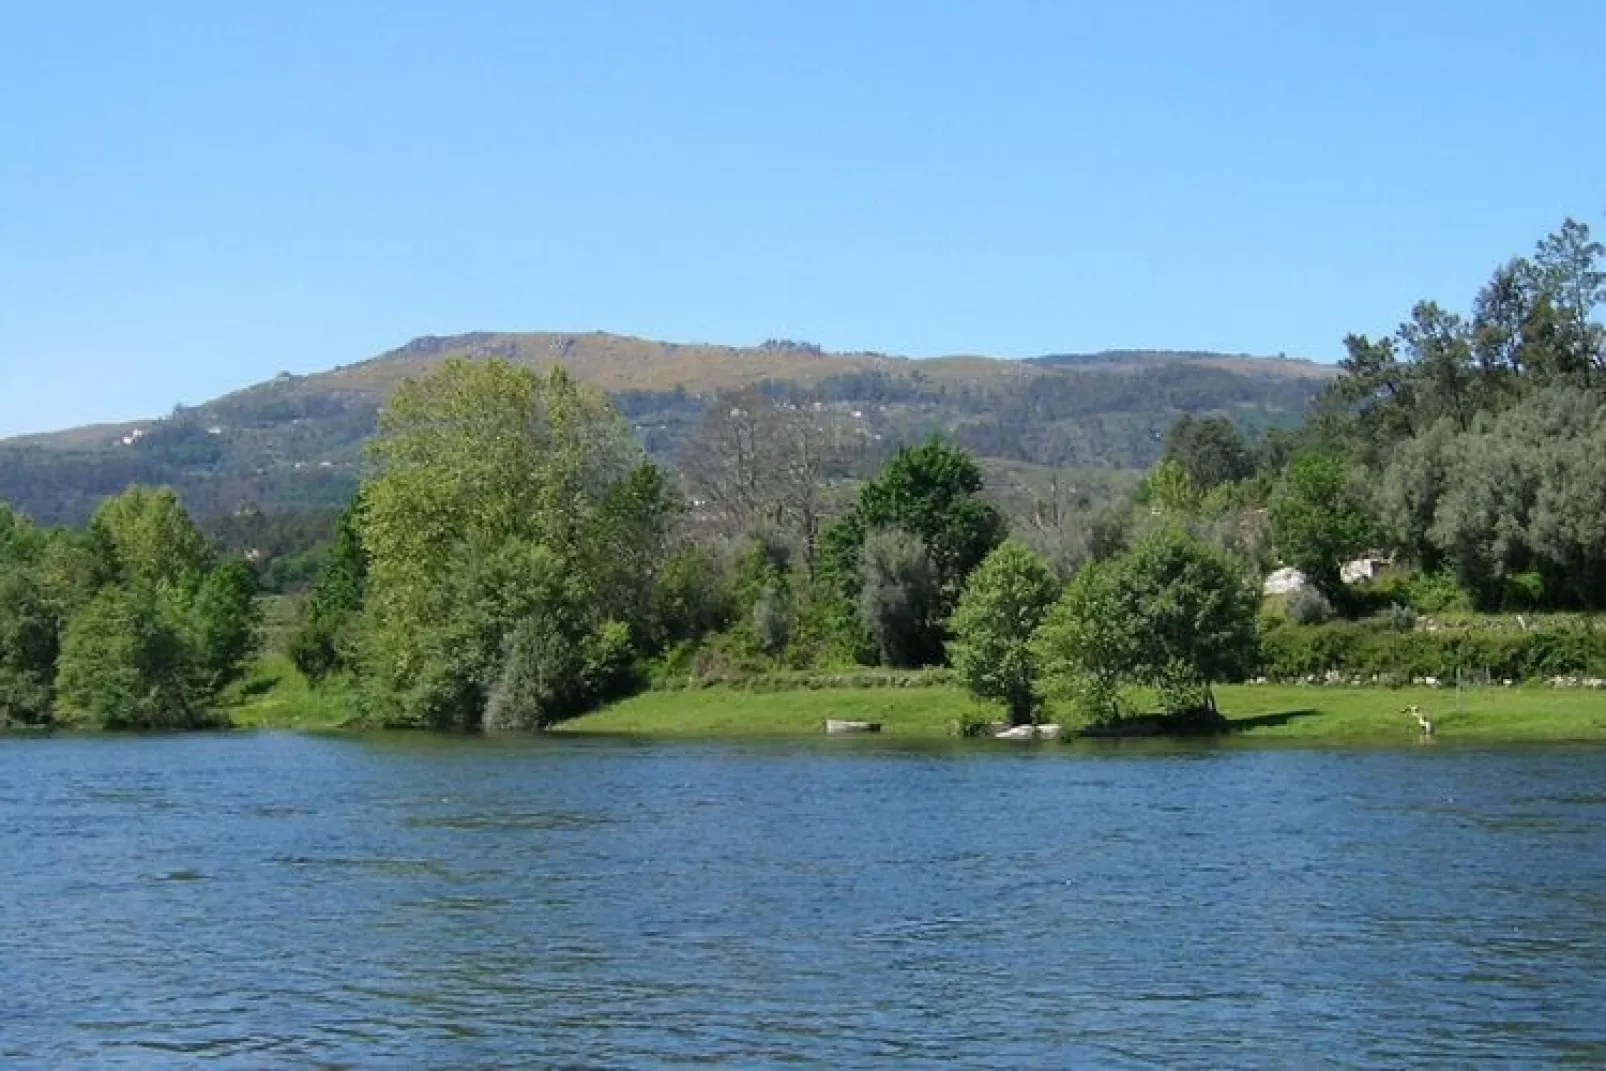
515, 556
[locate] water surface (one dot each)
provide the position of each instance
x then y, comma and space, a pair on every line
263, 900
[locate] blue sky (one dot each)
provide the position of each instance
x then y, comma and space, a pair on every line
194, 196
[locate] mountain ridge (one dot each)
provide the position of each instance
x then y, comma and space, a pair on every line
295, 440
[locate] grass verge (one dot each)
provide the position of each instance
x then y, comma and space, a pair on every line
1308, 714
276, 696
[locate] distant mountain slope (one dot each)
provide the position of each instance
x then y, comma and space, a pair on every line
295, 441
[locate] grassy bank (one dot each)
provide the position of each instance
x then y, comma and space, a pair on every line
275, 696
1358, 715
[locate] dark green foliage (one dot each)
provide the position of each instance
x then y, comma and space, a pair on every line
772, 622
28, 647
552, 672
1172, 614
691, 598
1006, 600
224, 625
126, 663
900, 599
1210, 450
325, 643
1308, 606
1380, 649
929, 491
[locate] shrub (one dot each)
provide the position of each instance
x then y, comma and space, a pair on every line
1308, 606
1376, 648
548, 677
1437, 593
899, 599
1400, 618
772, 623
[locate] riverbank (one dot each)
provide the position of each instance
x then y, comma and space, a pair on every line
275, 696
1292, 712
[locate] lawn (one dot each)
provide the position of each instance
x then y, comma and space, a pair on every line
1310, 714
275, 696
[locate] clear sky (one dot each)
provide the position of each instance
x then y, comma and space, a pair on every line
194, 196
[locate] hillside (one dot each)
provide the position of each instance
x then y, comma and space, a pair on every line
295, 441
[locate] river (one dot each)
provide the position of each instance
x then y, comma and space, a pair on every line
272, 899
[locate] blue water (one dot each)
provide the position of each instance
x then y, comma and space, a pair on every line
262, 900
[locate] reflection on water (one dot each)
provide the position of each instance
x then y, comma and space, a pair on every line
279, 899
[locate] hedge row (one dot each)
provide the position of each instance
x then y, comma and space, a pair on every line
1372, 648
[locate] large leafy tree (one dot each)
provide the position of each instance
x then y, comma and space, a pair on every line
932, 492
1172, 614
898, 598
1003, 605
500, 500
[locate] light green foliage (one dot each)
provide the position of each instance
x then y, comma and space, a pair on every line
900, 599
1523, 490
1319, 519
151, 632
510, 515
1170, 490
147, 537
1003, 605
1172, 614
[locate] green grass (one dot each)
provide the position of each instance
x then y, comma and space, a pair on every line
1270, 712
1496, 714
911, 713
275, 696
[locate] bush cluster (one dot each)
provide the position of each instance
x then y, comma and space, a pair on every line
1378, 648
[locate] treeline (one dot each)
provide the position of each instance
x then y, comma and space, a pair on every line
515, 560
132, 622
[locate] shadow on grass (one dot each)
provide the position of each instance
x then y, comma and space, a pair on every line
1263, 721
260, 686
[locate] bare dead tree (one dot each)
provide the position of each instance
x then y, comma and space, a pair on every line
753, 464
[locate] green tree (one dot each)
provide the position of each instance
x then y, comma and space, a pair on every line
225, 621
900, 599
126, 663
147, 537
28, 648
324, 643
1006, 600
1172, 614
1210, 450
931, 492
1086, 650
1319, 520
499, 498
